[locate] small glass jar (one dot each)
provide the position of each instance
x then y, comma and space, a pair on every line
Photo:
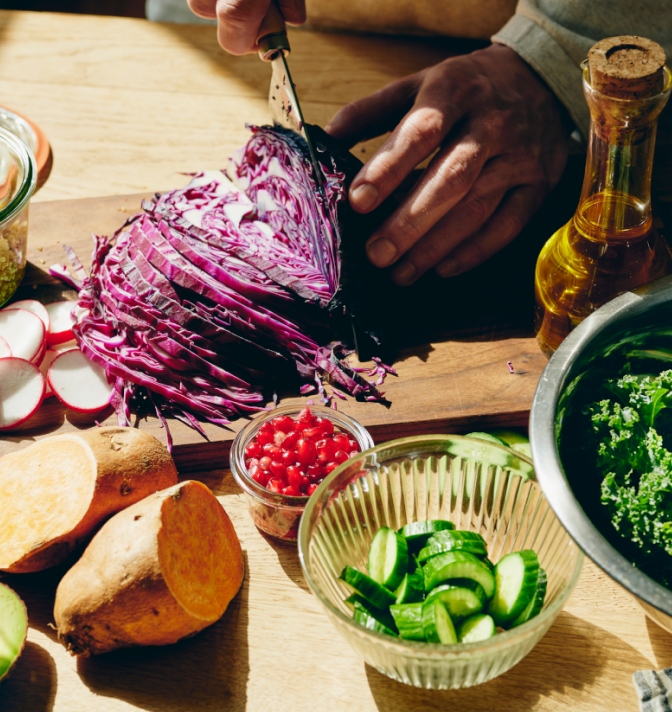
18, 178
278, 515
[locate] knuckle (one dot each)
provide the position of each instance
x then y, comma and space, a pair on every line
509, 227
476, 210
425, 129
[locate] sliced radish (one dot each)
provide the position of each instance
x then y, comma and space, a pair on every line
79, 383
21, 391
60, 318
32, 305
49, 356
5, 351
39, 357
66, 346
23, 331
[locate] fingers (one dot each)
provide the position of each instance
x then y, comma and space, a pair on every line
294, 11
376, 114
238, 23
504, 225
446, 180
203, 8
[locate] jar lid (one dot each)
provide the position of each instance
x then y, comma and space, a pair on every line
33, 136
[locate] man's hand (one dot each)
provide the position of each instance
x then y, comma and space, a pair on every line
499, 139
238, 21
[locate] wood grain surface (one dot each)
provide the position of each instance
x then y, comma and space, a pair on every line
128, 106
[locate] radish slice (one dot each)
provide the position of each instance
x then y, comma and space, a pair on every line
39, 357
23, 331
32, 305
49, 356
79, 383
21, 391
5, 351
66, 346
60, 318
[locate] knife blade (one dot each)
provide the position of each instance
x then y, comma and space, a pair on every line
283, 102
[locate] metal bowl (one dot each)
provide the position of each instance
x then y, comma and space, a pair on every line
621, 319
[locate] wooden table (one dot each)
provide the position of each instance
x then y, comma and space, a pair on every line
128, 106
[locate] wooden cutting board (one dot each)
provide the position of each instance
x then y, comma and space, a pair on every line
454, 385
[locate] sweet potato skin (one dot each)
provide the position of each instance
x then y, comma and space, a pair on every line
130, 464
116, 595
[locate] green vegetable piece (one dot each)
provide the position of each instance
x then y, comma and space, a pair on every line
516, 576
461, 599
476, 628
13, 628
388, 558
471, 542
487, 436
371, 590
408, 618
437, 626
515, 440
536, 604
411, 588
417, 533
458, 565
364, 617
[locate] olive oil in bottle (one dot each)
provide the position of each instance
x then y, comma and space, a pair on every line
610, 245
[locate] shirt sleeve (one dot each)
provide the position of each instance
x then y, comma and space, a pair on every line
554, 36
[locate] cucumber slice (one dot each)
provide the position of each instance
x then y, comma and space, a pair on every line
437, 626
515, 440
536, 604
411, 588
376, 594
477, 627
388, 558
487, 436
408, 619
458, 565
13, 628
364, 617
453, 541
417, 533
516, 576
461, 600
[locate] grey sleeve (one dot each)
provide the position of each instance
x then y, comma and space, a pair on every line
554, 36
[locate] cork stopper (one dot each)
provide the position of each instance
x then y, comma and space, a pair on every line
627, 67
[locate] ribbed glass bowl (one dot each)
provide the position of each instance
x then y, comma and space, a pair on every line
479, 486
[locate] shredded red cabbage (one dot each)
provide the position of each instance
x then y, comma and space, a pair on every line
225, 291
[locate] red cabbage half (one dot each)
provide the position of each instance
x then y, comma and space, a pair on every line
223, 293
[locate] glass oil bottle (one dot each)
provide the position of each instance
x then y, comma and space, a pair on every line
610, 245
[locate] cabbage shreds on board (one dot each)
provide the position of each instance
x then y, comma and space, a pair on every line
224, 292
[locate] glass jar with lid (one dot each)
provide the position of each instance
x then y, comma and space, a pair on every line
18, 179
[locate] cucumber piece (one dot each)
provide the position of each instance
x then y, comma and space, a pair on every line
536, 604
13, 628
515, 440
453, 541
382, 616
487, 436
437, 626
477, 627
458, 565
388, 558
417, 533
408, 619
411, 588
461, 599
376, 594
516, 576
364, 617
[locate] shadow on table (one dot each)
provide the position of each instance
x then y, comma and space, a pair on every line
571, 656
661, 644
31, 686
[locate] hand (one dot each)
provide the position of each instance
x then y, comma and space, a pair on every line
500, 137
238, 21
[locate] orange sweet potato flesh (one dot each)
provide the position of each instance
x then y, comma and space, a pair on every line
57, 491
159, 571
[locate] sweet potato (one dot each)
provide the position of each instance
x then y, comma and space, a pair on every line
159, 571
57, 491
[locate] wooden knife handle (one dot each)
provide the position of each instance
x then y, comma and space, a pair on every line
272, 37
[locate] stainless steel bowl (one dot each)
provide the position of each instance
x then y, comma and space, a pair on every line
617, 321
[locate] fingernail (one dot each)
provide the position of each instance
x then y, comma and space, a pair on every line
364, 196
381, 252
449, 268
404, 275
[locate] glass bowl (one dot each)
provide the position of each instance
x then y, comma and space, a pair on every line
278, 514
18, 178
479, 486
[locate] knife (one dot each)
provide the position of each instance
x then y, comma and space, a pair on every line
285, 109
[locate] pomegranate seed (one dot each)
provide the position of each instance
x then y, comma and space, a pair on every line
279, 438
315, 472
330, 467
266, 427
262, 477
277, 469
354, 453
340, 456
311, 488
275, 484
306, 417
326, 450
264, 437
264, 462
273, 451
305, 483
294, 476
253, 469
253, 449
288, 457
354, 445
291, 439
292, 491
306, 452
342, 441
283, 423
313, 433
326, 425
